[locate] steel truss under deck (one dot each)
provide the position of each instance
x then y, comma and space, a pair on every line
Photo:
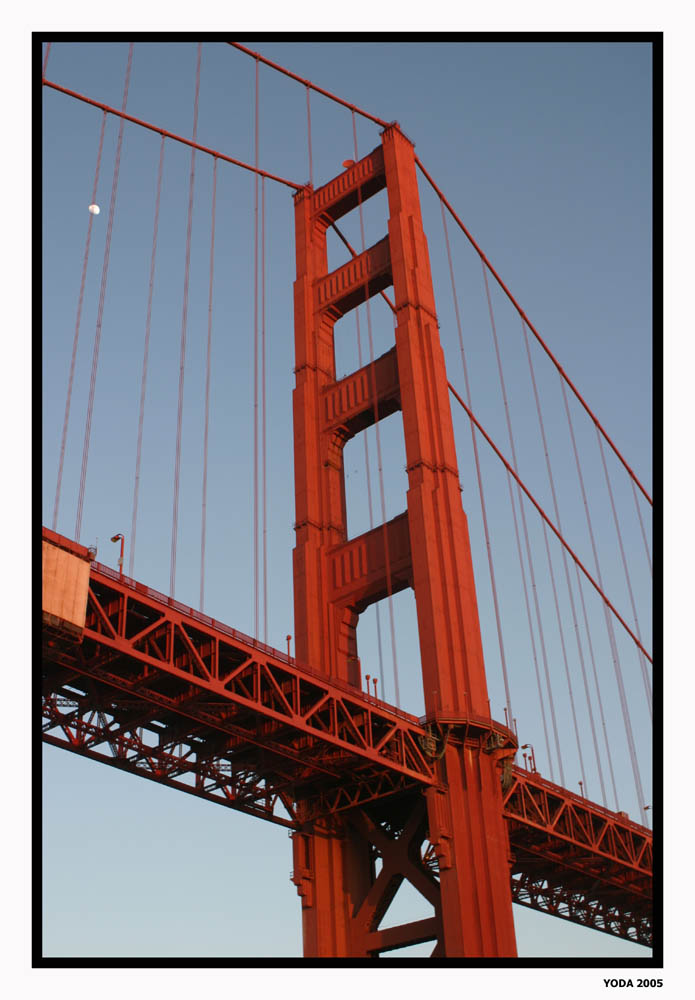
159, 690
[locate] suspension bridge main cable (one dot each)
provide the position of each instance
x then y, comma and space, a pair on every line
295, 185
634, 479
384, 124
309, 84
578, 567
298, 186
146, 350
564, 376
354, 109
532, 328
184, 322
535, 503
100, 310
550, 524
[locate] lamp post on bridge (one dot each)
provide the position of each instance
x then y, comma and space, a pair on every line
115, 538
531, 756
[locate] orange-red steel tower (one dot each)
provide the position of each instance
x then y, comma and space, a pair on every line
450, 841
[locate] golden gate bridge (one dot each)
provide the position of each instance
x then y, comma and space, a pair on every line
379, 779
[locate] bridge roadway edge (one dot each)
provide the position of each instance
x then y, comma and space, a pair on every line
596, 863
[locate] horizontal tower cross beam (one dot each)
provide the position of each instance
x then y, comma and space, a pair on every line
354, 402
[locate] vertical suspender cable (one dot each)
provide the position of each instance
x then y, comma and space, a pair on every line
531, 327
370, 504
534, 651
366, 458
609, 756
77, 329
641, 524
146, 351
570, 592
102, 295
308, 123
263, 421
207, 390
564, 658
387, 554
609, 606
609, 626
256, 580
184, 319
482, 493
375, 403
523, 518
642, 661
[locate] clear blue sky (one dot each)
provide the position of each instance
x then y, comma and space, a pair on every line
544, 150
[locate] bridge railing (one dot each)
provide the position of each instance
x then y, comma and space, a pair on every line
248, 640
565, 793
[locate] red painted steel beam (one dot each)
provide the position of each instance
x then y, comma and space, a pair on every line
584, 847
623, 913
137, 642
249, 737
317, 708
529, 780
211, 783
605, 899
404, 935
135, 692
539, 892
516, 477
100, 716
140, 591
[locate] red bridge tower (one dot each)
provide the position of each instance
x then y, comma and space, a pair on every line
449, 841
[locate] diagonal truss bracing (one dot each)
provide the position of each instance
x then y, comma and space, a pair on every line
206, 691
159, 690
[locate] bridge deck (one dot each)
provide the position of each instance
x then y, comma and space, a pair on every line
160, 690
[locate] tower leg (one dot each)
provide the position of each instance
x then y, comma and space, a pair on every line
469, 836
343, 898
332, 875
